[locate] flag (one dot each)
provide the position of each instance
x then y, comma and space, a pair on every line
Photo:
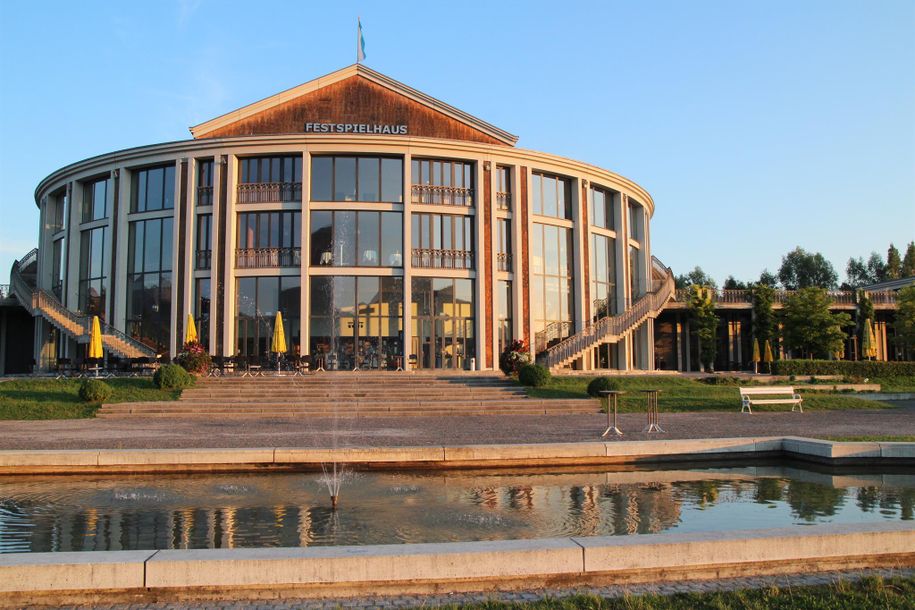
360, 44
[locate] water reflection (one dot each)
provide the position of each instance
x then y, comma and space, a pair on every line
226, 511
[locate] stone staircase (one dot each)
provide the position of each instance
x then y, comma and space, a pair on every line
353, 394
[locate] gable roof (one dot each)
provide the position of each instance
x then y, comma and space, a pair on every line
356, 70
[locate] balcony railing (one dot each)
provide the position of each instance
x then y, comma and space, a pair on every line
203, 259
442, 195
204, 195
503, 261
259, 258
504, 201
269, 192
553, 333
838, 297
442, 259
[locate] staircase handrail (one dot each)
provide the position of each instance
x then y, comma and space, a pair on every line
611, 325
108, 329
18, 284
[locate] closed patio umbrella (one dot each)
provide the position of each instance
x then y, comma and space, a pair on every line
756, 358
767, 355
190, 334
868, 341
278, 344
95, 342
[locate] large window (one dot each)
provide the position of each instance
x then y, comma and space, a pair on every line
357, 239
269, 239
95, 200
204, 245
257, 301
202, 310
58, 265
504, 243
357, 322
370, 179
503, 188
443, 323
149, 281
635, 221
443, 241
504, 313
603, 276
439, 181
205, 182
551, 196
153, 189
56, 214
636, 279
94, 261
551, 281
602, 208
270, 179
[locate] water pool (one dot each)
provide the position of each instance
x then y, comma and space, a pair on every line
70, 513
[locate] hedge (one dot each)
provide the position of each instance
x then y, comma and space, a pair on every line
172, 376
850, 368
95, 390
534, 375
603, 384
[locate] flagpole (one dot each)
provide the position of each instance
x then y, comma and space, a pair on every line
358, 37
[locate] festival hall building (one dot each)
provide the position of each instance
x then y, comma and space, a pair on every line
389, 229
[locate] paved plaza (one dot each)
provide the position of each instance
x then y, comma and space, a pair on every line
167, 433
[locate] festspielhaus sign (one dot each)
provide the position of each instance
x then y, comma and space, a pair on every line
355, 128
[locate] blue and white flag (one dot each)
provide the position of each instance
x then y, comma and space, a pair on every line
360, 44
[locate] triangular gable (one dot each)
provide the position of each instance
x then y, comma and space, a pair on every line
361, 98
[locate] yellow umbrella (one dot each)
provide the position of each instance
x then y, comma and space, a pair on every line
871, 345
191, 334
95, 339
279, 337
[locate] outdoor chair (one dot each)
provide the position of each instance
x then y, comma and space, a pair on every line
64, 367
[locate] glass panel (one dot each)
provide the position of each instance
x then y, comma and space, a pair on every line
392, 239
167, 225
549, 197
154, 189
268, 290
551, 250
290, 296
392, 180
321, 178
321, 296
135, 248
443, 294
97, 253
536, 193
345, 239
369, 179
322, 238
344, 295
139, 192
246, 296
367, 295
344, 179
368, 238
598, 209
168, 194
274, 231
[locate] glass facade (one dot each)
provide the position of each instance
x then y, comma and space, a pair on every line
149, 282
551, 196
356, 239
371, 179
603, 276
551, 278
357, 322
442, 241
268, 239
443, 323
504, 313
153, 189
94, 262
257, 299
202, 297
602, 208
95, 200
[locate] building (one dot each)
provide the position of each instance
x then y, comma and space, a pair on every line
388, 227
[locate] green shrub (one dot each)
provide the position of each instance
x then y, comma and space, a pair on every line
194, 358
534, 375
513, 357
850, 368
95, 390
723, 380
603, 384
172, 376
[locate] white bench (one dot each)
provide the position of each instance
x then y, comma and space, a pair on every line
784, 395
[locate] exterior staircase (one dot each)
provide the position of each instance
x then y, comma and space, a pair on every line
40, 302
353, 394
611, 329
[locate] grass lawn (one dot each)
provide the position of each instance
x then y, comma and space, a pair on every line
895, 384
687, 394
59, 398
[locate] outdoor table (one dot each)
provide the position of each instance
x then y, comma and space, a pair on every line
398, 361
654, 419
319, 361
605, 396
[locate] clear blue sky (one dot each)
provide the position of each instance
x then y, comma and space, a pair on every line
757, 127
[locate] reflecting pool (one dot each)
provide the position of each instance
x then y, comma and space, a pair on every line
293, 509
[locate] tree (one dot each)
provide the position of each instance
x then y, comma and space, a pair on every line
905, 319
856, 274
802, 269
733, 284
696, 277
704, 323
908, 262
809, 327
893, 263
865, 318
767, 278
763, 316
876, 268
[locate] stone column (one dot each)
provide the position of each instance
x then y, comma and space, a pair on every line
407, 260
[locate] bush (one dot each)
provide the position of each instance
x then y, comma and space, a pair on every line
850, 368
603, 384
172, 376
514, 357
95, 390
194, 358
534, 375
723, 380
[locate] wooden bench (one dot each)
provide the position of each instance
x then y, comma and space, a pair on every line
784, 395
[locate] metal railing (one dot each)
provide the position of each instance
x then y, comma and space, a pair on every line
442, 259
610, 326
203, 259
780, 297
442, 195
204, 195
258, 258
269, 192
504, 201
556, 330
503, 261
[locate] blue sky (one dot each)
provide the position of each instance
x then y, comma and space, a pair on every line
757, 127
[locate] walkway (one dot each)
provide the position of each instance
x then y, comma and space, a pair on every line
142, 433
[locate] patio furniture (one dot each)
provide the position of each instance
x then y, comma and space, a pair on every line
654, 417
607, 397
784, 395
